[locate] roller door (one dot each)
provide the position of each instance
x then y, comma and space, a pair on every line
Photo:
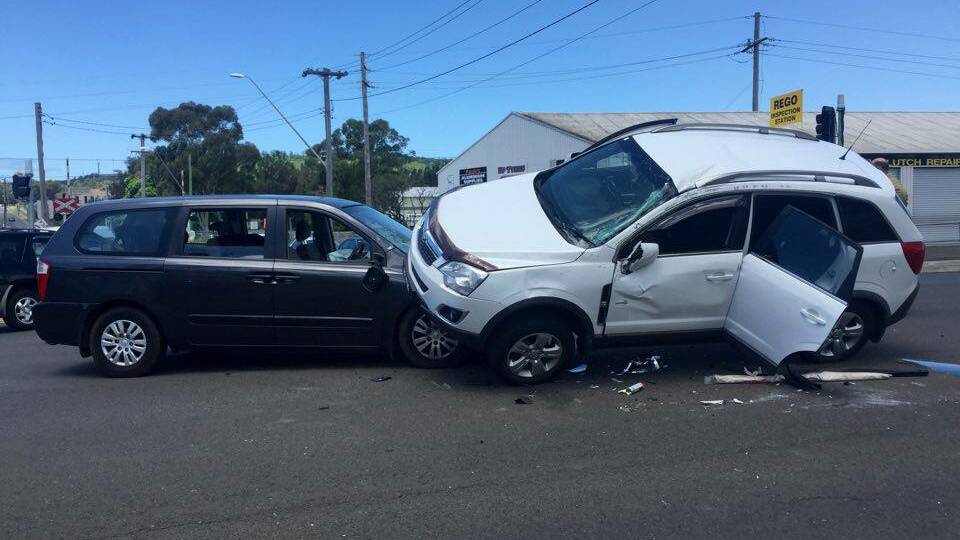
935, 203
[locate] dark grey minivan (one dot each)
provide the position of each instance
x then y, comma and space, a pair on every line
124, 280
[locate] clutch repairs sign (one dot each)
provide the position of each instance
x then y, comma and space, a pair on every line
786, 109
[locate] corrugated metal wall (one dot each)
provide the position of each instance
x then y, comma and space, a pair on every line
935, 203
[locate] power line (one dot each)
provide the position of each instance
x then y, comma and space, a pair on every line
61, 119
864, 28
50, 123
886, 70
872, 57
471, 36
862, 49
421, 29
539, 56
482, 57
448, 21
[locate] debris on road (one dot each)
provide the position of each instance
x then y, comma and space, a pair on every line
579, 369
940, 367
381, 378
632, 389
524, 400
639, 366
840, 376
740, 379
737, 401
441, 386
712, 402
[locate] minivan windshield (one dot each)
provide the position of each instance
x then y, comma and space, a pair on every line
390, 230
597, 195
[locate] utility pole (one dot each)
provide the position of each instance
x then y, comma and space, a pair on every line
38, 114
68, 177
367, 184
325, 73
754, 45
143, 163
190, 172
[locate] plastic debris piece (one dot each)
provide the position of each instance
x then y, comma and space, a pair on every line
712, 402
841, 376
594, 386
739, 379
614, 379
632, 389
579, 369
756, 373
737, 401
648, 365
524, 400
381, 378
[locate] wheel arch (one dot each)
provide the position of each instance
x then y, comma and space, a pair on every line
879, 306
565, 309
94, 313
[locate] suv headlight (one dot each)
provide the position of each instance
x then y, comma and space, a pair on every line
461, 277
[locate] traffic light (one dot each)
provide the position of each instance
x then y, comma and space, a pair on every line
21, 185
827, 125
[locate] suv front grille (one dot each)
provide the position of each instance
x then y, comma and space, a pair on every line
425, 251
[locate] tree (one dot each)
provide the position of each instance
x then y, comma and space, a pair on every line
132, 187
192, 123
275, 173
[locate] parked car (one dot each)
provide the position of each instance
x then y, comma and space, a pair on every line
19, 249
666, 230
123, 280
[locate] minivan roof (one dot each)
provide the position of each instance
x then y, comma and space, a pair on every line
178, 201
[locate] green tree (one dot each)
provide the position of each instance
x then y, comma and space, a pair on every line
132, 187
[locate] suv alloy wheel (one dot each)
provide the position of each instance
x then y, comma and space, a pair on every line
531, 350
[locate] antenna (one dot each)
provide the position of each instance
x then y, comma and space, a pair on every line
844, 156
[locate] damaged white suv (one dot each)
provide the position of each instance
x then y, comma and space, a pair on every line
785, 243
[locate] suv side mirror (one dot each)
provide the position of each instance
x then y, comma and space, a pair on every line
643, 254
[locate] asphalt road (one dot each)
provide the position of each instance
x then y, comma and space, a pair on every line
272, 446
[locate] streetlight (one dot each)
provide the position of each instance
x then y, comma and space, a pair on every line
238, 75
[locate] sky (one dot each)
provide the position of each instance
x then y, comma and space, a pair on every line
99, 68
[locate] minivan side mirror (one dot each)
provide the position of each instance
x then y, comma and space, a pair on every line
642, 254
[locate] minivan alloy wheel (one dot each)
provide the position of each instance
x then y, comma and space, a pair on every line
123, 343
844, 336
431, 339
534, 354
23, 310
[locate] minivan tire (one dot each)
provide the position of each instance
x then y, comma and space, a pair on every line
116, 337
424, 341
16, 303
531, 350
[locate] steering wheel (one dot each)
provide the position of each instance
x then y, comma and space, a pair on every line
358, 251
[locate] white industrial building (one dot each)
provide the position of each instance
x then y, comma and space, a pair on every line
923, 149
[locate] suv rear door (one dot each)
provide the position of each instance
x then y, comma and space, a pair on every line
220, 274
794, 284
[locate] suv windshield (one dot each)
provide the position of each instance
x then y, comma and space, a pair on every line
393, 232
600, 193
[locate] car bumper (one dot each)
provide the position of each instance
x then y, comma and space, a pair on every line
59, 323
463, 314
901, 312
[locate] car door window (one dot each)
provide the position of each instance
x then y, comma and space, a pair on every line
238, 233
714, 225
767, 207
315, 236
124, 232
810, 250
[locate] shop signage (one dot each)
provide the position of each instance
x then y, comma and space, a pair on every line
474, 175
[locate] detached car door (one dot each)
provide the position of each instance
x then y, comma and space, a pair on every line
794, 283
321, 300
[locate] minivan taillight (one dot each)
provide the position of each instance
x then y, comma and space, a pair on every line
914, 253
43, 277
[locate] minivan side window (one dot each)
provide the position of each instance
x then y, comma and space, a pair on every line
124, 232
714, 225
313, 236
236, 233
863, 222
767, 207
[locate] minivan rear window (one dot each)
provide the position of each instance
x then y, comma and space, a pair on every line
124, 232
237, 233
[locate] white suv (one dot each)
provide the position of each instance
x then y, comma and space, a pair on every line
783, 242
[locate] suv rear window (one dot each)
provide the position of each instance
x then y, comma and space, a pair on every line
863, 222
124, 232
767, 207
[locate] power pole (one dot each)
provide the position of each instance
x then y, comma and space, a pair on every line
367, 184
190, 172
841, 112
38, 114
325, 73
143, 163
68, 177
754, 45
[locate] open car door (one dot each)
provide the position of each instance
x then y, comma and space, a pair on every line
794, 284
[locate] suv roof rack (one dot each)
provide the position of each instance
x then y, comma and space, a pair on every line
817, 176
630, 129
740, 127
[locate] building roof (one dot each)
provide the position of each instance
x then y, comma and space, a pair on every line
889, 133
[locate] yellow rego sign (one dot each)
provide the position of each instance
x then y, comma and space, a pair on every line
786, 109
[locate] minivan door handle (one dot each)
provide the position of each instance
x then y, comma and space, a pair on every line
261, 278
285, 277
719, 276
812, 316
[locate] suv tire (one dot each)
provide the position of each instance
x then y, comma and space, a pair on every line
427, 343
125, 342
852, 331
531, 350
19, 309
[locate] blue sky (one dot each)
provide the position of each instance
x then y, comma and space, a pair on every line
113, 63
